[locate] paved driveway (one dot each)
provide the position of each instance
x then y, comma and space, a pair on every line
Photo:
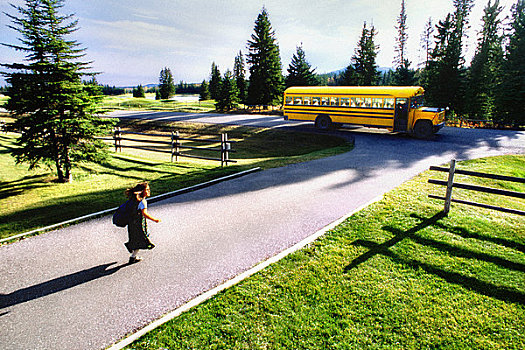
72, 289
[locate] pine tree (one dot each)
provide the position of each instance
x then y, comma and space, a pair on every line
266, 79
215, 81
300, 72
403, 75
54, 110
402, 37
446, 73
204, 93
349, 77
485, 69
364, 59
511, 94
139, 91
239, 73
166, 84
426, 41
228, 97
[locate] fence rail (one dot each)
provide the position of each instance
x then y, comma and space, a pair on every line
175, 145
450, 185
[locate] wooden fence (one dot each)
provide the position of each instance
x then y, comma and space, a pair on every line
450, 185
177, 144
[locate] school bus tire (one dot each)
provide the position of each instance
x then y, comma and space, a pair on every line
323, 122
423, 129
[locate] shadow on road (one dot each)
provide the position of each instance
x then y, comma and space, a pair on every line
56, 285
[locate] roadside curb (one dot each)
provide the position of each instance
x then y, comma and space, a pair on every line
150, 200
237, 279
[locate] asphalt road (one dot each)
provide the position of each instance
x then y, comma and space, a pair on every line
72, 288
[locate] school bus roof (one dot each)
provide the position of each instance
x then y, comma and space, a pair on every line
394, 91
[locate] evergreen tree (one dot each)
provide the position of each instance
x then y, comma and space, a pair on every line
215, 81
364, 60
485, 69
139, 91
446, 73
511, 96
300, 73
266, 79
228, 97
403, 75
54, 110
239, 73
402, 38
204, 91
426, 41
166, 84
349, 77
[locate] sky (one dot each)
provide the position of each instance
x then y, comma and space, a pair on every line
130, 41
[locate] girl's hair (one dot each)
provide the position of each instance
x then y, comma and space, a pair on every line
138, 189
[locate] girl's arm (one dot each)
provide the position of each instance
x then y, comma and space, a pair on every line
147, 216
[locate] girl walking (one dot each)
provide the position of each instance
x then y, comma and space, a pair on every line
138, 225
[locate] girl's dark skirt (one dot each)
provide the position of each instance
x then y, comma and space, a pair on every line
138, 234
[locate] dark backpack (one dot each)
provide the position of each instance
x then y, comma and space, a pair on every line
123, 215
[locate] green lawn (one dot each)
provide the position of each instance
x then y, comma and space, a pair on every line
124, 102
397, 275
32, 199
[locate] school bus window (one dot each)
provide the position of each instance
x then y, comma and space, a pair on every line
368, 102
334, 101
316, 101
389, 103
359, 101
324, 101
345, 102
289, 100
298, 101
377, 103
306, 101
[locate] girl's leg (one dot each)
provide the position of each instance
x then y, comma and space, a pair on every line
134, 258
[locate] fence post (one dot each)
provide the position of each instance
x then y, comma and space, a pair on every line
226, 148
117, 136
177, 144
172, 145
450, 183
223, 149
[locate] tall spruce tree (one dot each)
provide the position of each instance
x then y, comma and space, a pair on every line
239, 73
166, 84
485, 69
266, 78
54, 110
403, 75
364, 59
300, 72
447, 74
215, 81
511, 93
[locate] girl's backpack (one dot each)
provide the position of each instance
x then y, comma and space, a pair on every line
123, 215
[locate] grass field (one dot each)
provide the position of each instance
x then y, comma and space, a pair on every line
127, 101
397, 275
32, 199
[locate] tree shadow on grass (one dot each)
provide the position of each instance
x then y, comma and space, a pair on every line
500, 292
27, 183
57, 285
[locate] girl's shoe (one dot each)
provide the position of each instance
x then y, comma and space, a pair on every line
135, 259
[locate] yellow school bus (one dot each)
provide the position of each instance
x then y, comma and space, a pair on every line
396, 108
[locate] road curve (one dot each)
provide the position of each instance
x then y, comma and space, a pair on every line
72, 288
